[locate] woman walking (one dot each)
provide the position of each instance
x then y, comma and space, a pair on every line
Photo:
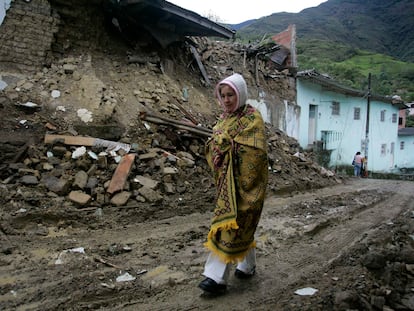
237, 155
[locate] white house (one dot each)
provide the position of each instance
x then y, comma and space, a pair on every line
335, 118
405, 149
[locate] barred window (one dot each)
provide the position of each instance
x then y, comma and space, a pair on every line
357, 113
394, 118
335, 108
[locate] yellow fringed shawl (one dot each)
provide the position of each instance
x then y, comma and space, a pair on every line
237, 154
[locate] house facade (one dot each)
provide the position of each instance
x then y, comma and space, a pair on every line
405, 150
344, 121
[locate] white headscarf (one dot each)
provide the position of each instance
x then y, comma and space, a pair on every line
238, 84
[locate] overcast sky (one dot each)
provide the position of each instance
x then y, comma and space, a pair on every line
237, 11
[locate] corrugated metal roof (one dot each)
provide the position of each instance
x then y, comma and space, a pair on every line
167, 22
333, 85
406, 131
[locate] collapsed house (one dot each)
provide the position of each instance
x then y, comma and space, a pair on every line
104, 73
149, 32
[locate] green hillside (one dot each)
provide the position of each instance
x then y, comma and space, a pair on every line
347, 39
351, 67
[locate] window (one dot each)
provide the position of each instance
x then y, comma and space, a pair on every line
402, 145
394, 118
400, 121
335, 108
383, 149
382, 115
357, 113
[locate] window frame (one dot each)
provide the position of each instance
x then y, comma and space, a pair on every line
357, 113
336, 108
382, 117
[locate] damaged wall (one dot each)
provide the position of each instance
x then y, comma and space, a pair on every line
32, 31
37, 33
272, 91
277, 94
26, 35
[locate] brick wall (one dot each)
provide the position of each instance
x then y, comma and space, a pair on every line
26, 35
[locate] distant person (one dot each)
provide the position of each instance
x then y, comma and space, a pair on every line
237, 155
358, 162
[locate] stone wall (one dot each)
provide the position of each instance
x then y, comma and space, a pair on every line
26, 35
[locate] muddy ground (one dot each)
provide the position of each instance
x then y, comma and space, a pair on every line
349, 239
351, 242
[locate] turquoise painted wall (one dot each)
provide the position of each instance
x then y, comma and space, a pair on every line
345, 133
404, 157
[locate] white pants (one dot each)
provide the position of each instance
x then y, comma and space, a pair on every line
219, 271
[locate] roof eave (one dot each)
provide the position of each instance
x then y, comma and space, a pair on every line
183, 22
335, 86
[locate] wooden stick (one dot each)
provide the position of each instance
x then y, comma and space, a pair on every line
18, 157
200, 64
101, 260
185, 112
86, 141
181, 125
70, 140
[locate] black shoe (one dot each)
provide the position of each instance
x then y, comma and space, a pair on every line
243, 275
211, 286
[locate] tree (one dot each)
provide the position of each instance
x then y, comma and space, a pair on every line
409, 122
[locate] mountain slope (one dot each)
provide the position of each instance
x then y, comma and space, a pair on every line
382, 26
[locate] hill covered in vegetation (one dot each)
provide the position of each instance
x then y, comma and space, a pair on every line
347, 39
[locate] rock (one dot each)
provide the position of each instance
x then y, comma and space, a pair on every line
408, 301
56, 185
148, 156
47, 167
101, 197
169, 188
345, 300
407, 254
150, 195
69, 69
378, 302
81, 179
121, 198
79, 197
92, 183
59, 151
185, 162
146, 181
29, 180
170, 170
374, 260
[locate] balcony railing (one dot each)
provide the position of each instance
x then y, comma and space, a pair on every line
331, 139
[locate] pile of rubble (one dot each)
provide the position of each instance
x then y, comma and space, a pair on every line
79, 171
98, 130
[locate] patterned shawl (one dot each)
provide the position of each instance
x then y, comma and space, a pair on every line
237, 154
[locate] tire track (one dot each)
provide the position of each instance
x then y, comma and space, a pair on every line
284, 261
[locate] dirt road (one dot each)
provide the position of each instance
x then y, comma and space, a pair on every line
71, 260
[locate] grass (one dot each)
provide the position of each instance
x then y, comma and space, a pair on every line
352, 66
